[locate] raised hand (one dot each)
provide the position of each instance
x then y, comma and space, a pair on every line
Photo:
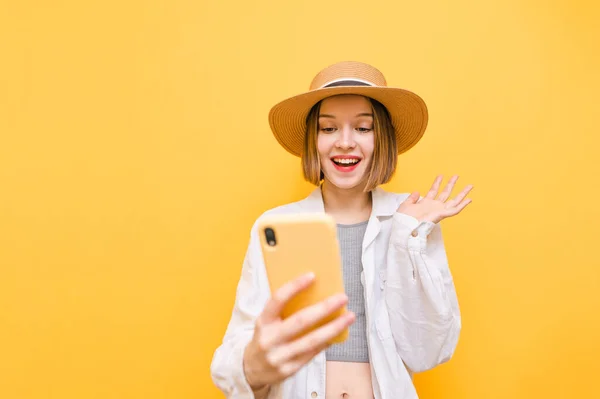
435, 207
274, 352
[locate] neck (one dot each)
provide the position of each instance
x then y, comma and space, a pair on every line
347, 206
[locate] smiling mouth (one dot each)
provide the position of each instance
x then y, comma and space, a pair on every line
345, 165
343, 162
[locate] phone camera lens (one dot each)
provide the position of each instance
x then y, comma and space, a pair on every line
270, 235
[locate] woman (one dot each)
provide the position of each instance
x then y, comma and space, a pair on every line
403, 311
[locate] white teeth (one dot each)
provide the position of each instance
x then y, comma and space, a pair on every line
346, 161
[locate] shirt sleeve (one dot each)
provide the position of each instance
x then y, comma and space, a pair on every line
420, 295
227, 370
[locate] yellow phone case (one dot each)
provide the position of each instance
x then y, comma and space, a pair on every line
304, 243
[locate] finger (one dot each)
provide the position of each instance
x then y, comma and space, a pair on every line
461, 196
412, 199
444, 195
308, 317
455, 210
292, 366
283, 295
315, 341
435, 187
463, 204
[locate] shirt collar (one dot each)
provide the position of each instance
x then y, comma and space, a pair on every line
384, 203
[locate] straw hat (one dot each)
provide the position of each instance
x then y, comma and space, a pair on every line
408, 111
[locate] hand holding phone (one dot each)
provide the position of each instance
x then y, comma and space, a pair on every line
278, 348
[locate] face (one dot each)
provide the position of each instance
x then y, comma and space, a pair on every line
345, 140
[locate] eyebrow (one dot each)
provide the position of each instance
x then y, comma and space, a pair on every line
357, 116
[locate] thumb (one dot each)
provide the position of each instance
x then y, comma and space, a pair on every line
413, 198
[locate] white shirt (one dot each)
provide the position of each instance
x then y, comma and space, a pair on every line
413, 318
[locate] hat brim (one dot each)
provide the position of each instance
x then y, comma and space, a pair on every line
407, 110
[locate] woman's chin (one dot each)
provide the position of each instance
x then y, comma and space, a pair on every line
348, 183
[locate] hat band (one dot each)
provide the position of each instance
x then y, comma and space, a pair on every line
347, 82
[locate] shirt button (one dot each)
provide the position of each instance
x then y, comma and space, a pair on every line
314, 394
415, 233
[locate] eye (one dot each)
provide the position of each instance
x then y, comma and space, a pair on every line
364, 129
328, 129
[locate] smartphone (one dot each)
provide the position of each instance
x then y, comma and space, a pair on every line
296, 244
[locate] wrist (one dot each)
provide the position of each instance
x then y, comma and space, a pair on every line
262, 392
256, 386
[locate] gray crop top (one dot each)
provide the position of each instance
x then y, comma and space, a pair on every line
354, 349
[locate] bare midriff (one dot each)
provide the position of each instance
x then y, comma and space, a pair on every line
348, 380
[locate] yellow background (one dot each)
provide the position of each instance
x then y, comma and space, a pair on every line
135, 155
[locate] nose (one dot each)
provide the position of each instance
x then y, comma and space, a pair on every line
346, 139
